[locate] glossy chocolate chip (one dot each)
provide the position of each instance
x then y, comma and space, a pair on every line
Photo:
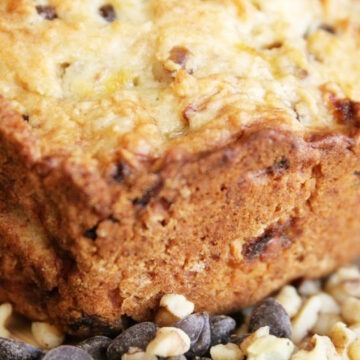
137, 336
108, 13
47, 12
96, 346
271, 313
17, 350
221, 326
197, 327
66, 352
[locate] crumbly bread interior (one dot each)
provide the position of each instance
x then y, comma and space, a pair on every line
142, 75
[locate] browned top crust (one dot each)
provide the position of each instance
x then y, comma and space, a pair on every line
93, 80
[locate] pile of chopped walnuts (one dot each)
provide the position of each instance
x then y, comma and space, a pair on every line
314, 320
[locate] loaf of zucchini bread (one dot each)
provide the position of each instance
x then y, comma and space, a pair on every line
208, 148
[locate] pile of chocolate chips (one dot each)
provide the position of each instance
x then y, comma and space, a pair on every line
203, 330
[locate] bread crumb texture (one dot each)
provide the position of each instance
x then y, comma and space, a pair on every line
145, 74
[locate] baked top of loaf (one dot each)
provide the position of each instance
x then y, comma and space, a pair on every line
95, 78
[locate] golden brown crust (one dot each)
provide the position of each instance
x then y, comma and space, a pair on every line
223, 227
150, 78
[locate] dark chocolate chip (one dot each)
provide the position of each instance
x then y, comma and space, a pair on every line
114, 219
148, 194
137, 336
282, 164
257, 246
271, 313
26, 117
96, 346
91, 233
108, 13
357, 173
47, 12
197, 327
143, 200
121, 172
61, 69
221, 326
17, 350
299, 117
66, 352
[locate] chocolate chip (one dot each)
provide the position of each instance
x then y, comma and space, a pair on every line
197, 327
137, 336
113, 219
346, 111
16, 350
122, 171
26, 117
108, 13
328, 28
66, 352
179, 55
282, 164
96, 346
91, 233
47, 12
274, 45
257, 246
87, 325
271, 313
221, 326
148, 194
143, 200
